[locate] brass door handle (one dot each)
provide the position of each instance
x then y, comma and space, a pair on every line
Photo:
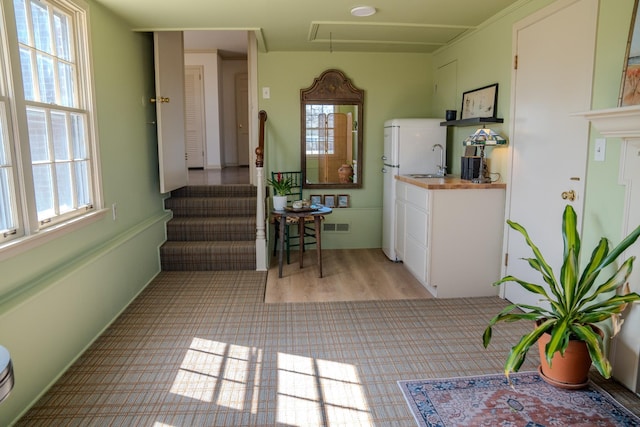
162, 99
569, 195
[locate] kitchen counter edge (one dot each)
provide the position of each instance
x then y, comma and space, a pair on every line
448, 183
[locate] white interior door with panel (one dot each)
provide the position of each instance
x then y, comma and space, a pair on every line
169, 100
194, 115
554, 52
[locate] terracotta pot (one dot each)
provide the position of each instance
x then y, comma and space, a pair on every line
569, 371
345, 172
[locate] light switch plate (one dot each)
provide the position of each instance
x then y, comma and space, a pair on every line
601, 145
266, 93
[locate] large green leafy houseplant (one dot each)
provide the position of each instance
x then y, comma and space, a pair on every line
576, 302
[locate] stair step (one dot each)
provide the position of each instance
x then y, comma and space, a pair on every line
208, 256
226, 190
211, 206
212, 228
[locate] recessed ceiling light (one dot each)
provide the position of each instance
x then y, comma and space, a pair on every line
363, 11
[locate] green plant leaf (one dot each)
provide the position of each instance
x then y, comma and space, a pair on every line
594, 345
531, 287
534, 248
612, 303
568, 278
571, 263
621, 247
519, 351
559, 339
507, 315
570, 234
535, 264
590, 272
618, 279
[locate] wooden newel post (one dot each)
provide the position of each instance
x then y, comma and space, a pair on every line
260, 148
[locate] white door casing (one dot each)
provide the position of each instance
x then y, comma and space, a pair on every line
169, 100
625, 355
242, 118
549, 148
445, 90
194, 116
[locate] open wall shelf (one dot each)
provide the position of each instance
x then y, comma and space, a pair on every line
471, 122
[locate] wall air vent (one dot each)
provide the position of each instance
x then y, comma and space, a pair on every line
329, 227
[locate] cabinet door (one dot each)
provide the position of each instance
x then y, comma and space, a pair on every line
416, 232
400, 207
400, 225
415, 260
416, 224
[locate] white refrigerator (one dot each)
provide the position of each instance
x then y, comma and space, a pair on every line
410, 146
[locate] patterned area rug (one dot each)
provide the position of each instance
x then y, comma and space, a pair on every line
490, 401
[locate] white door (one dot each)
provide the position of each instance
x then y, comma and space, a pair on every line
555, 56
445, 96
169, 70
242, 119
194, 116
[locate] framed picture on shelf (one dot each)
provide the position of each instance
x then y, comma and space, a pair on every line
630, 90
329, 200
343, 200
480, 102
316, 199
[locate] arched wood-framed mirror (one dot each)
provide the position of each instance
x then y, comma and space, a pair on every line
331, 112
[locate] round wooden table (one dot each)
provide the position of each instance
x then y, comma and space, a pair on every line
301, 214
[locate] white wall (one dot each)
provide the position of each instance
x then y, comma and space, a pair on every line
210, 61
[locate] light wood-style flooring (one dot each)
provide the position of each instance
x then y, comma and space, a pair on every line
229, 175
348, 275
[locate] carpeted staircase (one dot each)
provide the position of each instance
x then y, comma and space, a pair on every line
213, 228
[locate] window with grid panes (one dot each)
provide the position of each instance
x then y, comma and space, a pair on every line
59, 179
319, 128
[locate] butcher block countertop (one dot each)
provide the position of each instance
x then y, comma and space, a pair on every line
449, 182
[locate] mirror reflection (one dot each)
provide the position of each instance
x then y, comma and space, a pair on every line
331, 136
331, 145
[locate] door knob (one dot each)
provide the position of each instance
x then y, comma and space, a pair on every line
162, 99
569, 195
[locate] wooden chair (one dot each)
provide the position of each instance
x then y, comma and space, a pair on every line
292, 239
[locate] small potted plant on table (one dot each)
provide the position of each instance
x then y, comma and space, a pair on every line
574, 305
281, 188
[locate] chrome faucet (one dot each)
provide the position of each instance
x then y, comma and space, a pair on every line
442, 168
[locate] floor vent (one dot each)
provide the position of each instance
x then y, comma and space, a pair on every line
335, 228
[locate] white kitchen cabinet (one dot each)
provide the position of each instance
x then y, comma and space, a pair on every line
400, 207
450, 239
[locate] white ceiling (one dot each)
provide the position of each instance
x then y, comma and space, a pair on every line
309, 25
229, 43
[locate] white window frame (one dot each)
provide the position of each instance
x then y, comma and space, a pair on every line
30, 231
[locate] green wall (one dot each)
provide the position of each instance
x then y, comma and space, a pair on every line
57, 298
395, 85
401, 85
604, 196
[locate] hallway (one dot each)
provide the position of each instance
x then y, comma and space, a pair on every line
230, 175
